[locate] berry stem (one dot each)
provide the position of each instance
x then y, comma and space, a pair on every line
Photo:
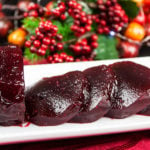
86, 35
127, 39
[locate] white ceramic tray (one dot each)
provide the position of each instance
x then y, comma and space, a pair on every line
16, 134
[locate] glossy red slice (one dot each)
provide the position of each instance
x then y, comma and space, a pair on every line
101, 81
56, 100
132, 90
12, 105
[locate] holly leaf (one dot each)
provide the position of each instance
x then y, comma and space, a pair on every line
130, 8
107, 48
30, 24
64, 28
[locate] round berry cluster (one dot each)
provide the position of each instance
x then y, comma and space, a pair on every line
82, 21
34, 10
111, 16
59, 58
46, 38
85, 46
59, 12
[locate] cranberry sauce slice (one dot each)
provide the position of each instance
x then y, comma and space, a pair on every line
12, 107
132, 90
101, 81
56, 100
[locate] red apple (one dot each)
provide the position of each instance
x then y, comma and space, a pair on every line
141, 19
5, 26
128, 50
49, 7
23, 5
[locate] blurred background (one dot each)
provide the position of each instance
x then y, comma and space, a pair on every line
52, 31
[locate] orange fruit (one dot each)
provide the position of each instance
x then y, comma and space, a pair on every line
139, 2
17, 37
135, 31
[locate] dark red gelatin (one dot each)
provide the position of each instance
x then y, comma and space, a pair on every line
145, 111
101, 82
12, 107
56, 100
132, 90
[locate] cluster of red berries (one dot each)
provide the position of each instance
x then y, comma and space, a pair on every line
34, 10
46, 38
111, 16
83, 58
59, 58
82, 22
85, 46
59, 12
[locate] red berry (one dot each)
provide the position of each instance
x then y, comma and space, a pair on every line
63, 17
25, 14
33, 49
37, 43
94, 37
81, 30
59, 46
88, 28
53, 41
94, 44
33, 6
58, 60
46, 41
74, 27
56, 55
44, 47
52, 48
59, 37
63, 55
87, 49
50, 59
32, 38
84, 42
77, 49
33, 13
28, 44
54, 28
69, 59
41, 52
56, 13
40, 36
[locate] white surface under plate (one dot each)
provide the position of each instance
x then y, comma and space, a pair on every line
17, 134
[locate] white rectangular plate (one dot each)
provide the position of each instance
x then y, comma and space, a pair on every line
16, 134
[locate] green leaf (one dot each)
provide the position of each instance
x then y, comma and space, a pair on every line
107, 48
130, 8
64, 28
30, 24
89, 1
67, 50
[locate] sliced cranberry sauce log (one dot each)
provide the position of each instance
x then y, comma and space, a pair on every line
132, 90
101, 81
56, 100
12, 105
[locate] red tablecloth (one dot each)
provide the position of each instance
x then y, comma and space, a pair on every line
125, 141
